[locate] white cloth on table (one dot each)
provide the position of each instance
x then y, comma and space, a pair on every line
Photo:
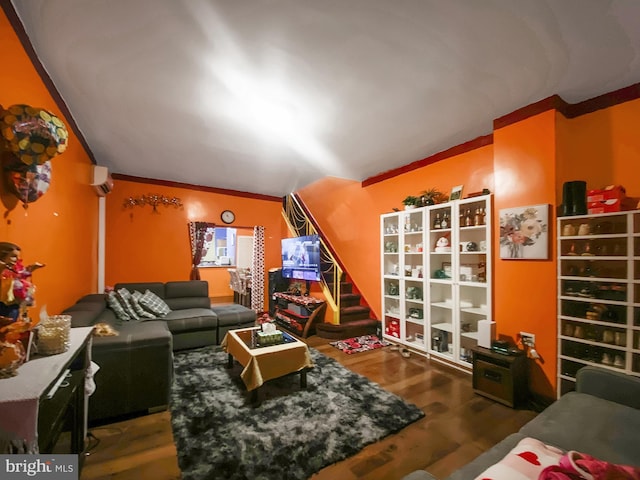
20, 395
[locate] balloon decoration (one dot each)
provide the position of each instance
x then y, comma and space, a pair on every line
28, 183
32, 136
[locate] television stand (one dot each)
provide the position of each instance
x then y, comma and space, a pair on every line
298, 314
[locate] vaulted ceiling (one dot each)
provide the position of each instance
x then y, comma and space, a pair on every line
267, 96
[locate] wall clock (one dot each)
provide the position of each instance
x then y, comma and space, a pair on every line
228, 216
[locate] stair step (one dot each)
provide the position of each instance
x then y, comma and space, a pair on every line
345, 287
356, 312
351, 329
350, 299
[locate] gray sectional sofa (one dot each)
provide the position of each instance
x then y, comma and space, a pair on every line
136, 366
601, 418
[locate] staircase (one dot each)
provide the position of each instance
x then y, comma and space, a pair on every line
354, 318
350, 317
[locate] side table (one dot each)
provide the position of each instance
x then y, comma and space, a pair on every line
500, 377
45, 397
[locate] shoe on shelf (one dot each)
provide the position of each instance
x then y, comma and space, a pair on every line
394, 348
619, 361
405, 353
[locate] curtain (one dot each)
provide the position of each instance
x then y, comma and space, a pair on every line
257, 270
197, 233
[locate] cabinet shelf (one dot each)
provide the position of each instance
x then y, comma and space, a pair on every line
445, 327
592, 300
592, 258
475, 310
602, 323
595, 236
446, 355
473, 284
590, 362
417, 302
585, 341
591, 279
417, 321
442, 305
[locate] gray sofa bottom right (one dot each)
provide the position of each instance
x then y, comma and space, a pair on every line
601, 418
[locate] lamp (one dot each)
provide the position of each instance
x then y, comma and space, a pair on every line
153, 199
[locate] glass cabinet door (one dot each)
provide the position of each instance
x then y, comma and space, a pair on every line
474, 278
413, 236
391, 266
441, 272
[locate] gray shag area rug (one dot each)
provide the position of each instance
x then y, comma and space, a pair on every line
291, 433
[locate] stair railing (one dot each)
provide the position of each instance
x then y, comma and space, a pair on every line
300, 224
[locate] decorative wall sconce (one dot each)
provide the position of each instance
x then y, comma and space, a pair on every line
152, 199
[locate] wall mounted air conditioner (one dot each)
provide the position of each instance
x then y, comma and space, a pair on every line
101, 181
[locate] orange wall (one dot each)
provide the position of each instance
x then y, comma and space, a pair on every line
143, 246
525, 291
60, 228
349, 216
602, 148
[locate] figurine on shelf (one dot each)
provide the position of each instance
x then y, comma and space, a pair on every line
442, 245
16, 289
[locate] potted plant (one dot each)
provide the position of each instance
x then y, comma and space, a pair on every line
431, 197
410, 202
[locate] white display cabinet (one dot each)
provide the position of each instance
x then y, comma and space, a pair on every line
598, 294
436, 277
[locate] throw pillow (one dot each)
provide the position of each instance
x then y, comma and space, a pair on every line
125, 298
142, 313
580, 465
154, 304
525, 461
116, 306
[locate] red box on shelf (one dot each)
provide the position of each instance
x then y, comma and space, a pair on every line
606, 206
392, 328
612, 205
611, 192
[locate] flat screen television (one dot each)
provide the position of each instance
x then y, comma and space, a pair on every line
301, 258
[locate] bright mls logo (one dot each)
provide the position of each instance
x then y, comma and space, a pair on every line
52, 467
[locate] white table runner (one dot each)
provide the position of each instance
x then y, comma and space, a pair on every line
19, 395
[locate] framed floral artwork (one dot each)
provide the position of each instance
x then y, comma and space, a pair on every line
524, 232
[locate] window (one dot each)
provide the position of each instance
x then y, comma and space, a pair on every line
225, 247
219, 247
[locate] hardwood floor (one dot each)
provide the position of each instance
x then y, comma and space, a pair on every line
458, 426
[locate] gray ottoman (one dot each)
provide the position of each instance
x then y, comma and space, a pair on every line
136, 370
232, 317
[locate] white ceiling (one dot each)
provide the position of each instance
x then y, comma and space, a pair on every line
266, 96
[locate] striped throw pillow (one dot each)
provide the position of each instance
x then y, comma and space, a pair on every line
114, 304
154, 304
